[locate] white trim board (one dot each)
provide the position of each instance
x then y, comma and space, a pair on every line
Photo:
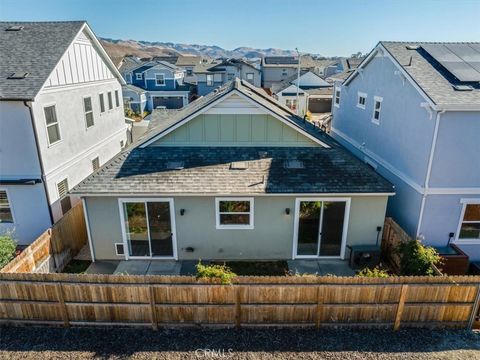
456, 240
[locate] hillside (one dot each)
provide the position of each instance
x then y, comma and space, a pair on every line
119, 48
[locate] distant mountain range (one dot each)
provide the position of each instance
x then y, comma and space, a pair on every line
119, 48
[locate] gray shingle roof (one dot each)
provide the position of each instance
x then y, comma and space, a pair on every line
430, 76
35, 50
207, 171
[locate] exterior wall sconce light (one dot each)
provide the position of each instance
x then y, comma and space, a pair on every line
287, 211
182, 212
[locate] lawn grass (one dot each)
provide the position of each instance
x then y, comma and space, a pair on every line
76, 267
257, 268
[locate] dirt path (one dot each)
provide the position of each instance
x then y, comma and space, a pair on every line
88, 343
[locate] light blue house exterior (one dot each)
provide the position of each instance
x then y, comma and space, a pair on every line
163, 83
401, 113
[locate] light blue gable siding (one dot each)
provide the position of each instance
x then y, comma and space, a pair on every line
405, 133
150, 84
457, 155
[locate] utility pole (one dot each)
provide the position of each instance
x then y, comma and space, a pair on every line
298, 81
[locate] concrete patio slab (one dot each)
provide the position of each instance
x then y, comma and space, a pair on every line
132, 267
335, 267
164, 267
303, 266
102, 267
188, 268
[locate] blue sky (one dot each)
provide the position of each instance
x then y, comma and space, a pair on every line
317, 26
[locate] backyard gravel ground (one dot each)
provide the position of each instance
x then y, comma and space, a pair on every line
198, 343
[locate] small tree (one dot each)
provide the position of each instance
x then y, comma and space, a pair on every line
7, 249
417, 259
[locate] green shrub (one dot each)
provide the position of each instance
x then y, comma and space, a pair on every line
7, 249
222, 272
417, 259
376, 272
129, 113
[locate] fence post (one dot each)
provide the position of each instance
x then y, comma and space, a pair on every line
61, 304
238, 307
153, 310
401, 303
318, 311
475, 307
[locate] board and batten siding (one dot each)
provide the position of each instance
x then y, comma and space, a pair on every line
271, 238
81, 63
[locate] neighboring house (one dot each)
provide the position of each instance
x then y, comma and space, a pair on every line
276, 69
61, 118
314, 93
212, 76
188, 63
134, 98
163, 82
127, 65
416, 119
234, 175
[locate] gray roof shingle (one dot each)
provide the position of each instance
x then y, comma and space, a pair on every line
36, 50
430, 76
207, 171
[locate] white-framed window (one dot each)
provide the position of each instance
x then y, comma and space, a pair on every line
469, 225
291, 103
110, 101
102, 103
234, 213
250, 77
88, 109
377, 107
138, 76
160, 79
362, 100
230, 76
53, 129
337, 97
6, 214
96, 164
284, 72
209, 79
117, 99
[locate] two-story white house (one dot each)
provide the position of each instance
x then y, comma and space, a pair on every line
412, 111
61, 118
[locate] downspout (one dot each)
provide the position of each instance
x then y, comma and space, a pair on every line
28, 104
429, 170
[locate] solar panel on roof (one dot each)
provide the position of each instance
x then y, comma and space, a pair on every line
461, 60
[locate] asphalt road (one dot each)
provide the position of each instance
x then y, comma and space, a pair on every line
203, 343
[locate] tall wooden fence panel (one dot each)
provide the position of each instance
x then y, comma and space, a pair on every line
155, 301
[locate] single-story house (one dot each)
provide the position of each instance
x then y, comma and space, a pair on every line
233, 175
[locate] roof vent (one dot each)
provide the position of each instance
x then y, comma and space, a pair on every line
175, 165
412, 47
18, 75
14, 28
463, 87
293, 164
239, 165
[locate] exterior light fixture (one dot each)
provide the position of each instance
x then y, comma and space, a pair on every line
182, 212
287, 211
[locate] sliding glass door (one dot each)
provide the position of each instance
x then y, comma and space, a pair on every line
320, 226
148, 228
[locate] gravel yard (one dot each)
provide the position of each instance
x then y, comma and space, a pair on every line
202, 343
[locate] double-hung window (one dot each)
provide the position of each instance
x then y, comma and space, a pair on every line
138, 76
87, 107
160, 79
234, 213
250, 77
117, 99
6, 215
337, 97
377, 106
291, 103
362, 100
65, 202
209, 79
53, 129
102, 103
110, 102
469, 227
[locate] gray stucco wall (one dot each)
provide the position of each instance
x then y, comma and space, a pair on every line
271, 238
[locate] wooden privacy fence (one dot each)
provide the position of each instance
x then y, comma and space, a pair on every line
55, 247
393, 235
68, 300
